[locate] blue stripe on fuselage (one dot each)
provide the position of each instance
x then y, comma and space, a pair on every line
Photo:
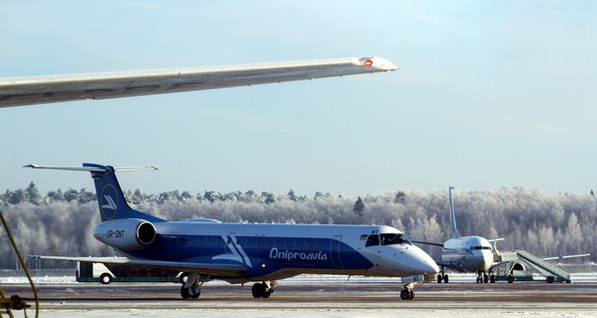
267, 254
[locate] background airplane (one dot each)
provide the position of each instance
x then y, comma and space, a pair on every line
464, 253
243, 252
475, 254
23, 91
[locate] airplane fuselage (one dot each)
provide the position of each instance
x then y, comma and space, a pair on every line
277, 251
468, 253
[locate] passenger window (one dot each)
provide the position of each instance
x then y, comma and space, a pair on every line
373, 240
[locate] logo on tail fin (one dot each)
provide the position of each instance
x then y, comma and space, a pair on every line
109, 206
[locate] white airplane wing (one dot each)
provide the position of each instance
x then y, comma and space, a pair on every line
225, 269
23, 91
428, 243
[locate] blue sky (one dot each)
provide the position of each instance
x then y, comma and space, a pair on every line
489, 94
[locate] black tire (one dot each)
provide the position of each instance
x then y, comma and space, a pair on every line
439, 278
258, 290
510, 279
184, 292
485, 278
406, 294
105, 278
550, 279
492, 279
446, 278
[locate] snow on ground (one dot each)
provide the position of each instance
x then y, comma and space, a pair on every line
301, 279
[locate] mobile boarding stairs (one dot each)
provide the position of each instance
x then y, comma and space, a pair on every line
520, 265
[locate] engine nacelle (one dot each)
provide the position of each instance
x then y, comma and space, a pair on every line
126, 234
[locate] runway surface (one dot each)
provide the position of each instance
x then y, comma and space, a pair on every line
355, 298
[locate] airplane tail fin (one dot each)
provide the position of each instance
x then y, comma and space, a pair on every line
111, 199
453, 229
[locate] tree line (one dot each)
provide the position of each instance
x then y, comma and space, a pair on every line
62, 222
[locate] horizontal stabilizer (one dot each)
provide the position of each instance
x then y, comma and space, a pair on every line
90, 168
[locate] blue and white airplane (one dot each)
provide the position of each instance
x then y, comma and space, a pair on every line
464, 253
243, 252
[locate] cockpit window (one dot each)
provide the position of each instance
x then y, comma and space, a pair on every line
373, 240
394, 238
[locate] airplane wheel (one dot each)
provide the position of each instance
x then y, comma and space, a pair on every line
407, 294
446, 278
184, 292
258, 290
485, 278
439, 278
105, 278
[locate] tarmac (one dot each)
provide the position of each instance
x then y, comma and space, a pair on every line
319, 298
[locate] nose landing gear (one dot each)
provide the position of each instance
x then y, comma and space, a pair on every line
442, 276
407, 293
483, 277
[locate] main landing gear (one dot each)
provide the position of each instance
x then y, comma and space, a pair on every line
191, 288
263, 289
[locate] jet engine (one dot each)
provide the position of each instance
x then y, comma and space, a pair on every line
126, 234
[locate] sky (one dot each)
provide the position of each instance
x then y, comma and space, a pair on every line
489, 94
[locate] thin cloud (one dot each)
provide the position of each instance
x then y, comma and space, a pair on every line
419, 14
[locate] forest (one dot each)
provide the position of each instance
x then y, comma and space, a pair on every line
62, 222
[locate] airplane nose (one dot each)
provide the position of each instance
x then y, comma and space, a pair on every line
430, 267
421, 262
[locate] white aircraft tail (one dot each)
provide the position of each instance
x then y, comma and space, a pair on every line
453, 229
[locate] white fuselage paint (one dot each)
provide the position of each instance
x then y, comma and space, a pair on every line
468, 253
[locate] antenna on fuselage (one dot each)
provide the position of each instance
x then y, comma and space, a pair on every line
453, 228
